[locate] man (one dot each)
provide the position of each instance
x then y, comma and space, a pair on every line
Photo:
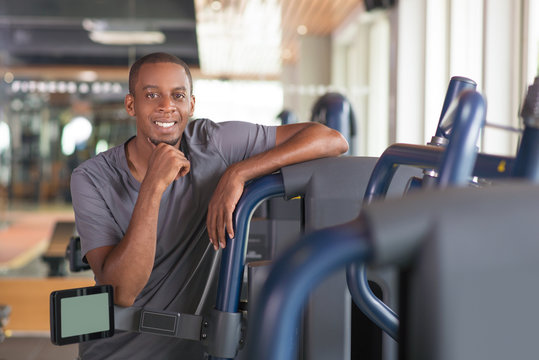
145, 210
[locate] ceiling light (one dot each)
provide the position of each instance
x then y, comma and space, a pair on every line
87, 75
127, 37
122, 32
302, 30
93, 24
243, 40
9, 77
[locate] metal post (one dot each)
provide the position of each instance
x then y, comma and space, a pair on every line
233, 257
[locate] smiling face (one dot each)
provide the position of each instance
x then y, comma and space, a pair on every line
162, 102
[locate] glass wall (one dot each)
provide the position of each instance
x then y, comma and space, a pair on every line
53, 125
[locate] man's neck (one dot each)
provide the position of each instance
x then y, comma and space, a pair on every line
137, 156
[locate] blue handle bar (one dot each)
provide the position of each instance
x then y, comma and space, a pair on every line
455, 164
459, 157
232, 263
233, 257
422, 156
378, 312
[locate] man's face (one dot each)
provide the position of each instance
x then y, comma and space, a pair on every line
162, 102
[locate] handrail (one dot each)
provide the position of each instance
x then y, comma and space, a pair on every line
372, 307
457, 84
455, 164
459, 157
233, 257
423, 156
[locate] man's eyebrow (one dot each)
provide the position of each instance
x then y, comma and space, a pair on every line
183, 88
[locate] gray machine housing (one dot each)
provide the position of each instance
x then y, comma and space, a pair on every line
471, 258
332, 191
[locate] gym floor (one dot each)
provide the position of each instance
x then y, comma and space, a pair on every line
28, 344
35, 348
23, 238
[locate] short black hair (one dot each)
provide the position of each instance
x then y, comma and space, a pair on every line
154, 58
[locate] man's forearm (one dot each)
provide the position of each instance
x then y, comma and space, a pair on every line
314, 141
129, 264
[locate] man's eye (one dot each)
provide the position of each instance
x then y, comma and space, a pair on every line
151, 95
179, 96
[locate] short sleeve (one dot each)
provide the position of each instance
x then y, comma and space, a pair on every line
238, 140
94, 221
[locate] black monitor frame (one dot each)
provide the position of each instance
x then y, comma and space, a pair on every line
56, 314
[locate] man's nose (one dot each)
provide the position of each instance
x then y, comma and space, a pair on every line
167, 105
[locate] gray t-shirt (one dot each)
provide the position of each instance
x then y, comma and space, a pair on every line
186, 267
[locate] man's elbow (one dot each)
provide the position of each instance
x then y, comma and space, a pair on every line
340, 145
334, 142
122, 298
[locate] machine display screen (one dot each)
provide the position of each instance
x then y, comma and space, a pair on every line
81, 314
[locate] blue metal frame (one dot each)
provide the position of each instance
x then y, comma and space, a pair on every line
457, 84
272, 327
459, 157
299, 270
233, 257
468, 119
455, 163
378, 312
422, 156
486, 166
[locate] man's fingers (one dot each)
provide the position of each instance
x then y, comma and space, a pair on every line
225, 227
210, 224
229, 226
220, 227
217, 229
215, 245
184, 170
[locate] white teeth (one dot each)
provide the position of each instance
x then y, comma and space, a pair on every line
164, 124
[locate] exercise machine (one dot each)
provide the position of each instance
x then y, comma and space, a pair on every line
458, 305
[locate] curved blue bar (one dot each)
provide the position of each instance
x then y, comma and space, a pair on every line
395, 155
386, 166
457, 84
272, 329
456, 167
233, 257
459, 158
378, 312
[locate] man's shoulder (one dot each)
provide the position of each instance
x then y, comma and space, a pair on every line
200, 131
205, 128
103, 162
198, 127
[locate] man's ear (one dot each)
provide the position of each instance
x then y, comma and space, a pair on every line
192, 106
129, 103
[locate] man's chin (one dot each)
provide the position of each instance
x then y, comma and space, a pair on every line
171, 142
